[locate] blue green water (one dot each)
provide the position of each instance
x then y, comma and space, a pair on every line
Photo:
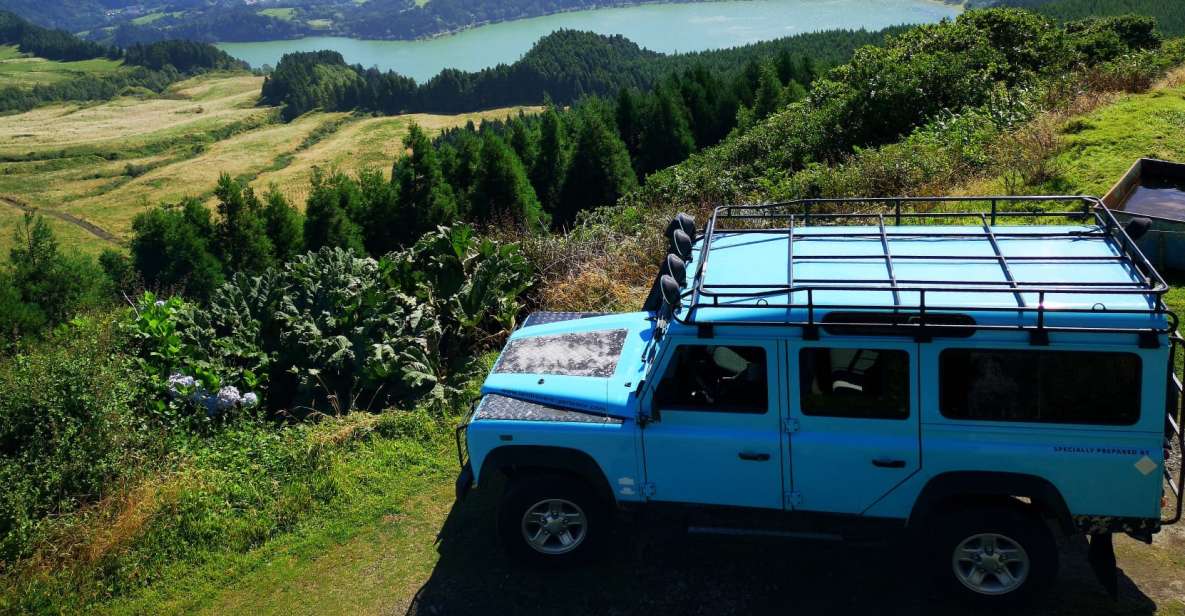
661, 27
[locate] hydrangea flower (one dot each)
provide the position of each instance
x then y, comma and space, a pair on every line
180, 382
228, 397
215, 403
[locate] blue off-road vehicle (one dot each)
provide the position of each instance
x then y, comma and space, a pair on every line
987, 371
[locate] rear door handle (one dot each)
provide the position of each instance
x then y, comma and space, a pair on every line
756, 457
887, 463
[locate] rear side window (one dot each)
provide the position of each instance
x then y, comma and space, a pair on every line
857, 383
1040, 386
725, 379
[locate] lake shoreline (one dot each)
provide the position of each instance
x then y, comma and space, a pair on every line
961, 4
660, 26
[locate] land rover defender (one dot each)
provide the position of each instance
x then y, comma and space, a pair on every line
993, 372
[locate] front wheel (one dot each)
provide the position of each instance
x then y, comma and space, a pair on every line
551, 520
995, 555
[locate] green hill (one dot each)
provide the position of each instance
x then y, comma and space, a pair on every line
1169, 14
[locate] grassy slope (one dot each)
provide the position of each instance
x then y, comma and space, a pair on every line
286, 13
24, 71
1102, 148
107, 162
390, 487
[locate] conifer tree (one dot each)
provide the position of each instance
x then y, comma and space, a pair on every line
284, 226
461, 172
524, 138
551, 165
629, 121
770, 94
242, 238
329, 219
382, 225
503, 192
424, 199
666, 135
600, 172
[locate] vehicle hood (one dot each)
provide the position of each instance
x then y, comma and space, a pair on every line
591, 364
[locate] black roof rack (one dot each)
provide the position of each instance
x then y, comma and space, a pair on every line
882, 214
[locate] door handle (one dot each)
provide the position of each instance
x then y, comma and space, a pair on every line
756, 457
887, 463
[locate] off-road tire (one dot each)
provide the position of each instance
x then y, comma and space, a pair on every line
1006, 527
535, 493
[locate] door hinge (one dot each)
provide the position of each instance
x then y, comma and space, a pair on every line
648, 489
793, 500
790, 425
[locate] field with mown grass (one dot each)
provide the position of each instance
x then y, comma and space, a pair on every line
107, 162
25, 71
285, 13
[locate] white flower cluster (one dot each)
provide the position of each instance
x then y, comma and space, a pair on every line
216, 403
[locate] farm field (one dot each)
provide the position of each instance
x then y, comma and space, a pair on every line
104, 163
24, 71
361, 144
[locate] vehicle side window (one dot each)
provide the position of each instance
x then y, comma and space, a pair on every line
1040, 386
725, 379
857, 383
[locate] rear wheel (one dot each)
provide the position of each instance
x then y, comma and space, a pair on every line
551, 519
995, 555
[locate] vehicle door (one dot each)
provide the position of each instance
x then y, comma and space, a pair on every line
714, 436
853, 422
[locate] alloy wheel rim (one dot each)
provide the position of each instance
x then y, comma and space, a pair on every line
991, 564
554, 526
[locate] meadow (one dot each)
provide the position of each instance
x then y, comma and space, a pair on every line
105, 163
25, 71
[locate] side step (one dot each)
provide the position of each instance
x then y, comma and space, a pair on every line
762, 532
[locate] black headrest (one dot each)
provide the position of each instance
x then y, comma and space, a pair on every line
1137, 227
674, 267
680, 245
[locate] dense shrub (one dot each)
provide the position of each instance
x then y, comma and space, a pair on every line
331, 331
68, 423
183, 247
172, 249
41, 286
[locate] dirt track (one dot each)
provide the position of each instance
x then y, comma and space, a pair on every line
87, 226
